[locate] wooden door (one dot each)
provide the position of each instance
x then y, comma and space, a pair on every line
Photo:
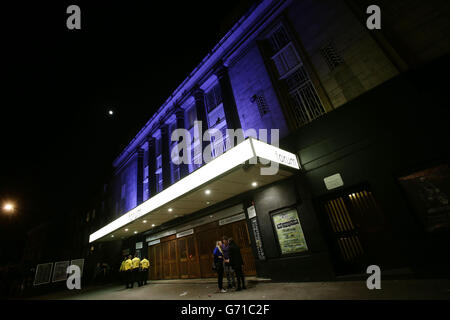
154, 256
169, 260
183, 258
189, 266
206, 241
242, 239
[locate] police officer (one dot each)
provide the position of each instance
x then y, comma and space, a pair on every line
144, 270
135, 270
128, 272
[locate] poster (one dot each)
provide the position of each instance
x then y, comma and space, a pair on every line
289, 232
258, 242
60, 271
428, 192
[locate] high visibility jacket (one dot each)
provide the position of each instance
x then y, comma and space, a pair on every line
136, 261
128, 265
122, 266
145, 263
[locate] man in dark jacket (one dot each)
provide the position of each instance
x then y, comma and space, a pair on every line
236, 263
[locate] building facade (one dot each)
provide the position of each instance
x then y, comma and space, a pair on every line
345, 103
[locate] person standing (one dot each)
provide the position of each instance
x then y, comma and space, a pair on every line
135, 270
229, 272
128, 272
218, 264
145, 264
236, 263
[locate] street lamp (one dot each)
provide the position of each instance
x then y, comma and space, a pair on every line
8, 207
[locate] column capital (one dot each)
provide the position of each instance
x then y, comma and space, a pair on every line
220, 70
197, 92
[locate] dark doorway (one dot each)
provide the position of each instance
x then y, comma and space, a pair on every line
352, 219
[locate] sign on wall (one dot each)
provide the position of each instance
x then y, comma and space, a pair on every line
333, 182
232, 219
289, 232
185, 233
251, 212
139, 245
258, 242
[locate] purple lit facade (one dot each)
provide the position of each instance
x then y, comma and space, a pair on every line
312, 70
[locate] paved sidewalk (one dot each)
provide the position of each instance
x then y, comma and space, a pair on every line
260, 289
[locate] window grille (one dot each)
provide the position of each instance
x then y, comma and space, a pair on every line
331, 56
305, 102
286, 60
307, 105
260, 100
278, 39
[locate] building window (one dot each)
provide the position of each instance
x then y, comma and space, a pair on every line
176, 174
122, 191
305, 102
332, 58
160, 182
278, 39
213, 98
191, 116
286, 60
307, 105
260, 101
158, 162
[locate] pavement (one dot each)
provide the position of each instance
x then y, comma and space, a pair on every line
264, 289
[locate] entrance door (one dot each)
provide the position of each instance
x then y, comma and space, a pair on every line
352, 217
206, 244
188, 258
154, 256
242, 239
169, 259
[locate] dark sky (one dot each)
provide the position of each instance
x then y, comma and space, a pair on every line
57, 140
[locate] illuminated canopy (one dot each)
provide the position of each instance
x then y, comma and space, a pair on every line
224, 177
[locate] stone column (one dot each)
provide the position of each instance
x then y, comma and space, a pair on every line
179, 113
151, 163
229, 103
202, 114
140, 176
165, 156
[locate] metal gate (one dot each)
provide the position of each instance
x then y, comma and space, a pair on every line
349, 217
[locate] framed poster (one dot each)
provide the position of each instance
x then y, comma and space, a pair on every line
43, 273
289, 232
79, 263
428, 193
60, 271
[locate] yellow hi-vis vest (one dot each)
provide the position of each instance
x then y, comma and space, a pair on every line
135, 262
128, 265
145, 263
122, 266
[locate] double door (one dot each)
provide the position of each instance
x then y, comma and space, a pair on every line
191, 256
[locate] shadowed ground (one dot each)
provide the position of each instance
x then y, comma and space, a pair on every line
261, 289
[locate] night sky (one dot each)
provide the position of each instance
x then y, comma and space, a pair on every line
58, 141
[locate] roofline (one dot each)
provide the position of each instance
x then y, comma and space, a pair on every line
203, 69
